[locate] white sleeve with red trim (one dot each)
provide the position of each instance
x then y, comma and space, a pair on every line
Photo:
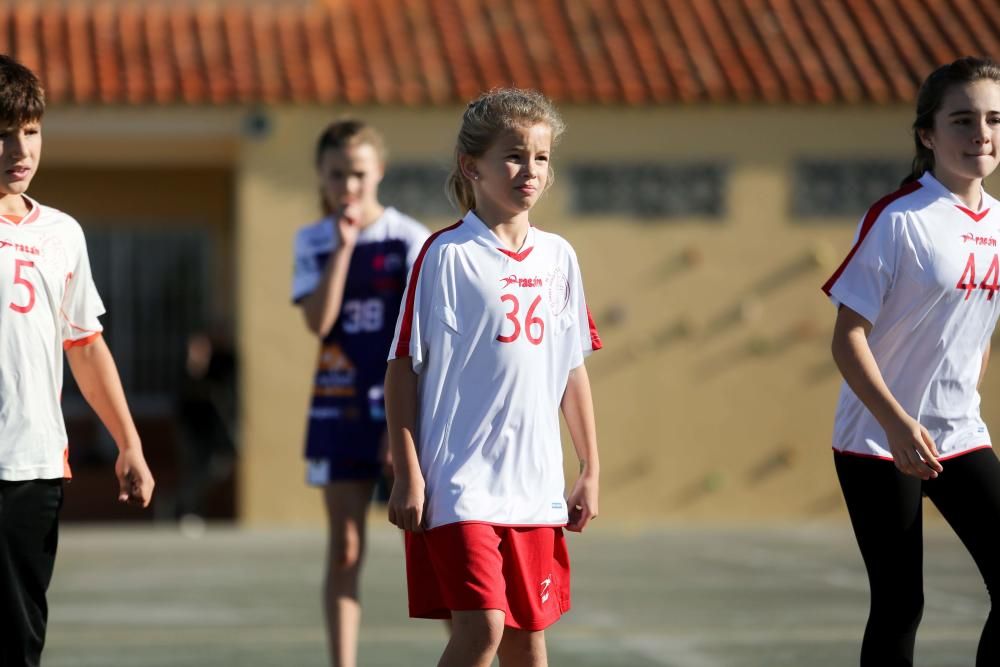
416, 314
81, 304
869, 272
584, 322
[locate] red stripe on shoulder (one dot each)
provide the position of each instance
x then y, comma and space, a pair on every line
406, 328
873, 213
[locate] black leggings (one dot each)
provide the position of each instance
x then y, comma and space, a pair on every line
29, 515
885, 509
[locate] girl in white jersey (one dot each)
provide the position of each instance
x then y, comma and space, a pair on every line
917, 300
489, 346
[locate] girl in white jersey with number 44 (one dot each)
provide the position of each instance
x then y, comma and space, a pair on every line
917, 299
490, 344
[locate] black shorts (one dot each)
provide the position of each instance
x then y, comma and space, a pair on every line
29, 532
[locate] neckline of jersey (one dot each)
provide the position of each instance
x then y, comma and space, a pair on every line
985, 200
487, 237
27, 218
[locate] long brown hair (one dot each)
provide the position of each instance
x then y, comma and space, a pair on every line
932, 91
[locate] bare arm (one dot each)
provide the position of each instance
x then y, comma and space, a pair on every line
578, 409
406, 503
321, 307
913, 450
986, 362
96, 375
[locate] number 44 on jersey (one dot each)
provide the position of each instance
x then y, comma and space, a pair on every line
990, 283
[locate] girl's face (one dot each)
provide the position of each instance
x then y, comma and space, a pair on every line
966, 132
512, 174
350, 176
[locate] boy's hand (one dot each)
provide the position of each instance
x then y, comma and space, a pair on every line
582, 503
135, 481
406, 504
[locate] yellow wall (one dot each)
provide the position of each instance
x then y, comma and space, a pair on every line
727, 419
714, 394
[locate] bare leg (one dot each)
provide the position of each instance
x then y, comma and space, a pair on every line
346, 505
474, 639
521, 648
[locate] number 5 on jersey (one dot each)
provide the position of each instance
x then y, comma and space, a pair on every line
531, 323
19, 279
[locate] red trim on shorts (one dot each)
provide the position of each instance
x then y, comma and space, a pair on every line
873, 213
860, 455
406, 327
81, 342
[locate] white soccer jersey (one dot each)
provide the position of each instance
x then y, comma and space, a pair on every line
924, 270
493, 335
48, 302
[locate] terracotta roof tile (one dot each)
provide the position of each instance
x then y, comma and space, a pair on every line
157, 35
239, 40
414, 52
25, 25
647, 53
81, 54
402, 51
675, 59
620, 51
135, 55
436, 76
210, 32
292, 44
327, 82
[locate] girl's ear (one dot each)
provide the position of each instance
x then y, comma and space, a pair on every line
467, 164
926, 138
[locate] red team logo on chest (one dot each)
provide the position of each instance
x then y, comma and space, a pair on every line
520, 282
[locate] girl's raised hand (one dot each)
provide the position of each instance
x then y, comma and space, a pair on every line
348, 222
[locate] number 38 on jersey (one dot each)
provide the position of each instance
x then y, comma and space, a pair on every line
990, 282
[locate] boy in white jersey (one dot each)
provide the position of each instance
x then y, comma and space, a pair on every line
48, 304
490, 344
917, 299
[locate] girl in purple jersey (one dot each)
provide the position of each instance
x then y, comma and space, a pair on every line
350, 272
916, 311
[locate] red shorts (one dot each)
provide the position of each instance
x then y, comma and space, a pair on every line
524, 572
